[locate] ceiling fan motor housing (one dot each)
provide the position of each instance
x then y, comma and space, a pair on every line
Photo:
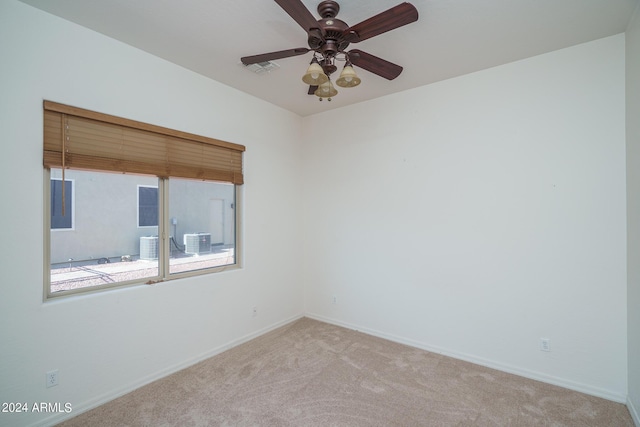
333, 29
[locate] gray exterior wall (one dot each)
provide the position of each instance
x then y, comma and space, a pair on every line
105, 214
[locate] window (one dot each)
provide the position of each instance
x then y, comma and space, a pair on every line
147, 206
135, 216
61, 204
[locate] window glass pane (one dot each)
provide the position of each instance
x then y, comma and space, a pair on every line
201, 224
106, 246
61, 218
147, 206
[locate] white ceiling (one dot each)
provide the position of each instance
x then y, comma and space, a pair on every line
450, 38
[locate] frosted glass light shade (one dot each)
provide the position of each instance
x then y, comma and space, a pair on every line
326, 90
348, 77
315, 76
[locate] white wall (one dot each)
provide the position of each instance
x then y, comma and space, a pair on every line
106, 343
476, 215
633, 211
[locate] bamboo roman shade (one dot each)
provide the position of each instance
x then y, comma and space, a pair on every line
81, 139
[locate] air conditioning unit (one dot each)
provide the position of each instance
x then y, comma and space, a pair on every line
197, 243
149, 247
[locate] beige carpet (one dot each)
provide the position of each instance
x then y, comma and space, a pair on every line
310, 373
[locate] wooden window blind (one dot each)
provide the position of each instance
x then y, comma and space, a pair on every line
81, 139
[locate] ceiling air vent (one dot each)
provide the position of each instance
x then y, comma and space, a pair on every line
262, 67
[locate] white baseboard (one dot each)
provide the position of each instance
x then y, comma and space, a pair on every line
634, 412
561, 382
128, 388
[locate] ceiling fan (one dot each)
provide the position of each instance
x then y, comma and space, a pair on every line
329, 38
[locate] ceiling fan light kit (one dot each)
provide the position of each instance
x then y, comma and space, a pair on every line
328, 38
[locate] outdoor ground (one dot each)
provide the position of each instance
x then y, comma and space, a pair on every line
84, 274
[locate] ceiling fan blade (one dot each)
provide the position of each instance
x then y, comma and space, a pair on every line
312, 90
264, 57
376, 65
299, 13
402, 14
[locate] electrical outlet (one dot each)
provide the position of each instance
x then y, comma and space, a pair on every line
334, 299
52, 378
254, 311
545, 344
